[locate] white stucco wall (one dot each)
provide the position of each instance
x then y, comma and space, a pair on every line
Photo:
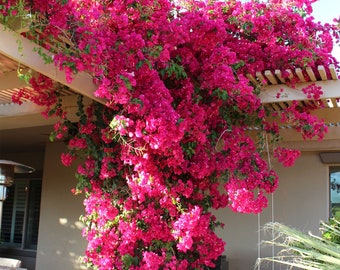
60, 243
300, 201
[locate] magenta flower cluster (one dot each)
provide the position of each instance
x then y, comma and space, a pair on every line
173, 140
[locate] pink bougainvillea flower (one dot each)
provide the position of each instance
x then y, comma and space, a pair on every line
171, 140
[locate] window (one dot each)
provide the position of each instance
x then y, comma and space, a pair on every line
21, 211
334, 177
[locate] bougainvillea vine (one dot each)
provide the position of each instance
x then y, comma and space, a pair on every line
173, 140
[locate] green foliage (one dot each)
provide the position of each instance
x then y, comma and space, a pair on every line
25, 76
47, 58
141, 224
189, 149
238, 65
126, 82
221, 94
129, 261
137, 101
331, 231
174, 70
180, 120
306, 251
18, 16
142, 62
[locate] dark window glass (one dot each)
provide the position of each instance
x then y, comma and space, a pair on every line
334, 177
21, 211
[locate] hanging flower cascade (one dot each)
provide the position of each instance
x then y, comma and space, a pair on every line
172, 141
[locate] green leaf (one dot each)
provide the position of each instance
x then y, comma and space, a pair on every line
221, 94
47, 58
126, 82
87, 49
24, 76
137, 101
129, 261
114, 123
52, 136
141, 224
180, 120
139, 64
307, 127
174, 69
238, 65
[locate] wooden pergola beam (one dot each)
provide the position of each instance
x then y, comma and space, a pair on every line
327, 144
328, 115
11, 80
9, 46
330, 88
28, 114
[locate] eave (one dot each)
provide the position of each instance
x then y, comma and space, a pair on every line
25, 52
271, 82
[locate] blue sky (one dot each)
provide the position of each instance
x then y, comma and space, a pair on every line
325, 11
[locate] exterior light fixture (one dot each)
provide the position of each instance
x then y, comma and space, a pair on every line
7, 170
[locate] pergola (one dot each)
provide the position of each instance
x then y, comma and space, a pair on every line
28, 115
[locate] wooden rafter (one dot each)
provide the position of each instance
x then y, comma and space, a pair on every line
10, 80
27, 55
29, 115
276, 84
271, 81
330, 88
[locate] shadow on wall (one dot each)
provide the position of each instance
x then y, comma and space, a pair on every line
65, 252
76, 259
60, 242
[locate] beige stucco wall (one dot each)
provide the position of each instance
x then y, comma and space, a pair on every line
300, 201
60, 243
33, 159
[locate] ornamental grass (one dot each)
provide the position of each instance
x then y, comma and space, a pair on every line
305, 251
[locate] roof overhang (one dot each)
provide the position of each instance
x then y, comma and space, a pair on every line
28, 114
273, 83
25, 52
18, 51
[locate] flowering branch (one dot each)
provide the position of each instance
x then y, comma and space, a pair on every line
171, 144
